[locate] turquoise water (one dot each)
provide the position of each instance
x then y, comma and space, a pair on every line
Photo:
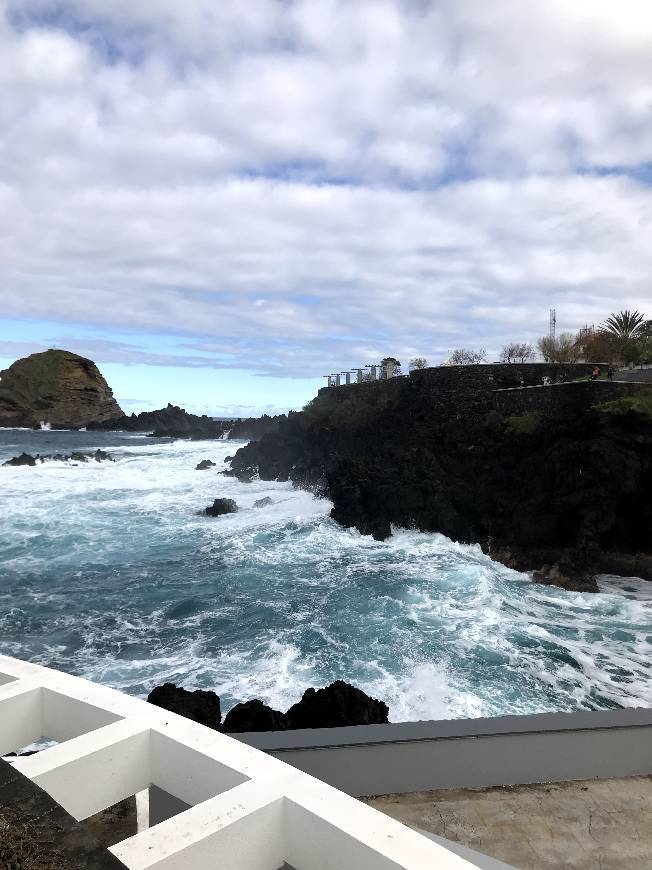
109, 572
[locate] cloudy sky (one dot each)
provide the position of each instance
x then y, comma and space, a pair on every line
220, 202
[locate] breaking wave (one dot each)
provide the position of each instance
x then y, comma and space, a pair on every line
111, 572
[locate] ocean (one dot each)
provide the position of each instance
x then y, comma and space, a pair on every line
111, 572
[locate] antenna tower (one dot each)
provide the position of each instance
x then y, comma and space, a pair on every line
553, 322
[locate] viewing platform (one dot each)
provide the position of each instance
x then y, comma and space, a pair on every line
205, 800
538, 792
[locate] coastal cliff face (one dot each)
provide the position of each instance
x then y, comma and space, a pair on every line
56, 387
566, 491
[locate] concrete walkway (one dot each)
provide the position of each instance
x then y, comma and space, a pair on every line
589, 825
641, 376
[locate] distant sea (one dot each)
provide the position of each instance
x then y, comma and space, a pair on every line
110, 571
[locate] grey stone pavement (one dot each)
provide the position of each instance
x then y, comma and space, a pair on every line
588, 825
643, 376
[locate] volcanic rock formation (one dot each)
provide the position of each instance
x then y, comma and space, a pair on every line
175, 422
200, 706
221, 506
56, 387
75, 456
254, 716
556, 478
338, 704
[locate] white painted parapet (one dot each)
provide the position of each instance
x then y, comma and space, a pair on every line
247, 810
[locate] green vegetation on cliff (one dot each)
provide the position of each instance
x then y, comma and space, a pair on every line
640, 404
524, 424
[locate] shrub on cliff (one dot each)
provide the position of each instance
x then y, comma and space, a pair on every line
640, 404
524, 424
349, 412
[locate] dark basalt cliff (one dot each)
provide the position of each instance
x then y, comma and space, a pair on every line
557, 479
57, 387
175, 422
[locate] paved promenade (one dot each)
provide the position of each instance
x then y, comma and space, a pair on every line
589, 825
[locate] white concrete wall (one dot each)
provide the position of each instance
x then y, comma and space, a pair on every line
248, 811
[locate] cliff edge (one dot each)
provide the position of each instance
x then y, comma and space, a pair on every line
554, 478
56, 387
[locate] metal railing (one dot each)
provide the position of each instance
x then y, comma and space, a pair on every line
245, 810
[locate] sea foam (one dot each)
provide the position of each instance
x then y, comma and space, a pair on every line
111, 571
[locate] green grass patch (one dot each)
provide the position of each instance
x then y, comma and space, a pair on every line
524, 424
640, 404
43, 368
353, 411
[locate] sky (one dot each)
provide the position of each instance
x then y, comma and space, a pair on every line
221, 202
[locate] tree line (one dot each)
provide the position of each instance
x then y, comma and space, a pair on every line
623, 338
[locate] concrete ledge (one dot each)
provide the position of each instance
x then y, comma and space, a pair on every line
401, 732
470, 753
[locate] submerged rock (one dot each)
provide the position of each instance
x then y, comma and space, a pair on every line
254, 716
573, 581
204, 465
561, 567
263, 502
337, 705
200, 706
221, 506
23, 459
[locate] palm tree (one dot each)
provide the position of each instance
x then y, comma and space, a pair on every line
625, 324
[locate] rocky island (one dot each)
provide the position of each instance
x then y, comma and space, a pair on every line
57, 387
555, 479
67, 391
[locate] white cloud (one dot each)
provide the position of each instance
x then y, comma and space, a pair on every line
383, 174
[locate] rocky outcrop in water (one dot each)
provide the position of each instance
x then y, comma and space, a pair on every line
204, 465
175, 422
168, 422
200, 706
23, 459
335, 706
254, 716
562, 487
27, 459
57, 387
220, 507
338, 704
